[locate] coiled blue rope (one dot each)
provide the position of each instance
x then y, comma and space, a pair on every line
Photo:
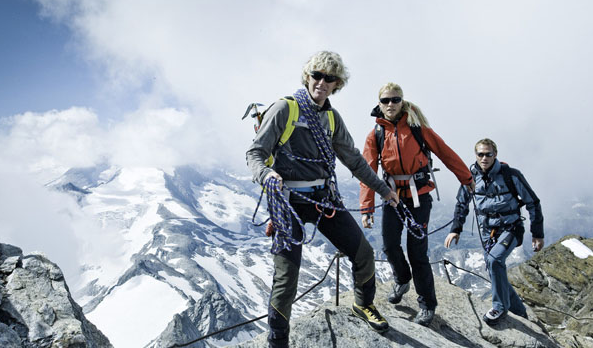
281, 211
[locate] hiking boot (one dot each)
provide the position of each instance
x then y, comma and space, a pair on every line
371, 315
424, 317
493, 316
398, 292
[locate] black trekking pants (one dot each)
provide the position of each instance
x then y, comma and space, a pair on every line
345, 234
391, 230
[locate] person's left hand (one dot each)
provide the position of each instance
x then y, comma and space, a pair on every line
537, 244
450, 238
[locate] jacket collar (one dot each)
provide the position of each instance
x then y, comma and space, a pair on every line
495, 169
326, 105
376, 112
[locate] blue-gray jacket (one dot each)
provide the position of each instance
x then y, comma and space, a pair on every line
495, 204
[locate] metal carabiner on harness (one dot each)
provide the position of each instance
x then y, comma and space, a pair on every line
321, 211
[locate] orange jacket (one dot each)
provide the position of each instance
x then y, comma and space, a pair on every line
411, 160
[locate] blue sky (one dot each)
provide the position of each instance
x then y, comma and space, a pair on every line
38, 69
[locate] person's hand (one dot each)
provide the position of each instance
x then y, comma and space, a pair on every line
275, 175
450, 237
537, 244
392, 198
368, 220
471, 187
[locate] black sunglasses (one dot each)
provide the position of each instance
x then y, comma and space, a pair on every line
318, 75
482, 154
394, 100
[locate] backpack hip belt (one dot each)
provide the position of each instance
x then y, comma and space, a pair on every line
305, 184
307, 187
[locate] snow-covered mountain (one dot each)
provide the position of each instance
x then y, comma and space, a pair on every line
165, 239
172, 255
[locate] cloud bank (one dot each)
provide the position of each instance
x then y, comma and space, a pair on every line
517, 72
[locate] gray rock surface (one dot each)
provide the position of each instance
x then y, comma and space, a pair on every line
559, 287
36, 309
457, 323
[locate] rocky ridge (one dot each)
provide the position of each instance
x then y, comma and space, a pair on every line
558, 286
457, 323
36, 308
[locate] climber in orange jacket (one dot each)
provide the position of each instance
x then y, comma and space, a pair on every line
401, 141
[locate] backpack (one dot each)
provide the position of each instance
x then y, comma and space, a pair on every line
293, 117
507, 173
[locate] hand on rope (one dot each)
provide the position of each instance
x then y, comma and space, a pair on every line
392, 198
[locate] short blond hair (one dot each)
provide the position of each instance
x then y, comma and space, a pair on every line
328, 62
487, 142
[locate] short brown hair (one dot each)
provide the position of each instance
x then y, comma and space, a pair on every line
488, 142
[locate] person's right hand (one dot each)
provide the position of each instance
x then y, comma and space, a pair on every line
471, 187
275, 175
450, 237
368, 220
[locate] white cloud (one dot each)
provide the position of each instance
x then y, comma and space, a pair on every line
51, 142
517, 72
36, 219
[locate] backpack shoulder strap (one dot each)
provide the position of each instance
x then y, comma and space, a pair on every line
507, 174
380, 139
293, 116
332, 122
417, 133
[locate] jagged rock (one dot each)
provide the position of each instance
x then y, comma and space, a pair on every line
210, 314
559, 287
36, 309
457, 323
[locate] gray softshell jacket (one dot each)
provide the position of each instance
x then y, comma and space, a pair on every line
302, 144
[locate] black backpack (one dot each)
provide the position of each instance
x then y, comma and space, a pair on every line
507, 173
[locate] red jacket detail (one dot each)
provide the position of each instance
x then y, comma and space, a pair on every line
412, 158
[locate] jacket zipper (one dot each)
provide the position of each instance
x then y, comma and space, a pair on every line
401, 162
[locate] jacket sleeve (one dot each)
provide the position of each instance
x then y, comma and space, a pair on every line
532, 204
266, 139
461, 209
350, 156
370, 154
451, 160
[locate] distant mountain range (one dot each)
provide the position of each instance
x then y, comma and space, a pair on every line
173, 254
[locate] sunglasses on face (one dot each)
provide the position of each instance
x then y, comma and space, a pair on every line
318, 75
394, 100
482, 154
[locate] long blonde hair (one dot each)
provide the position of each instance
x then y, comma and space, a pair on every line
415, 115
